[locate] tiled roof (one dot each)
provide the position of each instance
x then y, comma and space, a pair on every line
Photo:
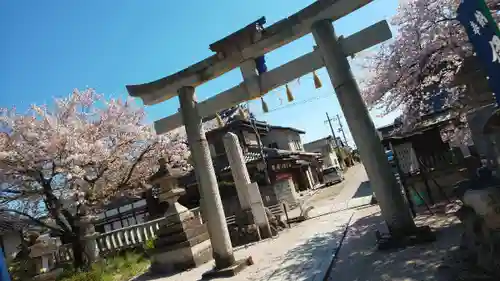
287, 128
428, 122
222, 164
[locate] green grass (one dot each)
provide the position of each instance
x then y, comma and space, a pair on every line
119, 268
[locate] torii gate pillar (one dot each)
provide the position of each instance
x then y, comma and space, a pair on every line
383, 182
211, 203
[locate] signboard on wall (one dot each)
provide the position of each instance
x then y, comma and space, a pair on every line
281, 166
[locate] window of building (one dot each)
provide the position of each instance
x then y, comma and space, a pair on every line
212, 150
140, 218
219, 148
273, 145
297, 145
108, 228
131, 221
117, 225
125, 223
250, 139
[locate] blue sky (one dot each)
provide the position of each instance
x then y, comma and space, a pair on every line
49, 48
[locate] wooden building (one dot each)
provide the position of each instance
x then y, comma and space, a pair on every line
280, 173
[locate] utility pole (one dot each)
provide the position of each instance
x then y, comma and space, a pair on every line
331, 128
341, 129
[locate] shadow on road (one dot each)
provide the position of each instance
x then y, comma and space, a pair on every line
360, 260
364, 189
309, 260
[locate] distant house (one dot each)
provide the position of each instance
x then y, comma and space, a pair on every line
326, 147
284, 138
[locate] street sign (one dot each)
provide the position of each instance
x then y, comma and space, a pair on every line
484, 36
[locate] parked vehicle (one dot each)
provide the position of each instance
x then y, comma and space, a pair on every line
333, 175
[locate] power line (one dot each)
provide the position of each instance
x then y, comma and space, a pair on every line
295, 104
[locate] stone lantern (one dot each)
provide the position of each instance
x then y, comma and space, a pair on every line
182, 241
43, 253
169, 191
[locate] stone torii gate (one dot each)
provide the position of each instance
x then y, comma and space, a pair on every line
240, 49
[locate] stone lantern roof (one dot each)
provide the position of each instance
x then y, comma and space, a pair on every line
166, 172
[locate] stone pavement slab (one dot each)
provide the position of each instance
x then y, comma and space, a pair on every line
302, 252
358, 259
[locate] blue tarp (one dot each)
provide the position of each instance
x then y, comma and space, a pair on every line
4, 272
390, 155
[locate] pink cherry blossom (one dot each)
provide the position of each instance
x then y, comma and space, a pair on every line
429, 49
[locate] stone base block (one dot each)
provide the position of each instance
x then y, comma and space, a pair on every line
228, 271
181, 259
422, 235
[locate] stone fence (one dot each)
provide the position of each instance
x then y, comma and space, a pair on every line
135, 236
129, 237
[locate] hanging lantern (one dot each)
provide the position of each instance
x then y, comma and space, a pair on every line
317, 82
289, 94
219, 120
264, 105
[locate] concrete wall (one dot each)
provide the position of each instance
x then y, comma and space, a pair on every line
11, 241
285, 192
285, 139
325, 148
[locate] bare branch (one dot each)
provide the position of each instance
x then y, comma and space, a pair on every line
35, 220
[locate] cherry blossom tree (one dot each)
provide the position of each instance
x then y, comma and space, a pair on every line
426, 58
81, 152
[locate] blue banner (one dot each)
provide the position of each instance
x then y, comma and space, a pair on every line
483, 34
4, 272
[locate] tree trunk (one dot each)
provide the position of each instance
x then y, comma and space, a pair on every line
78, 252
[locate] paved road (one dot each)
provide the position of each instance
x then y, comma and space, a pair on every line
354, 191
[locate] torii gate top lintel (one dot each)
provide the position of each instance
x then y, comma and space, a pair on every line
272, 37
